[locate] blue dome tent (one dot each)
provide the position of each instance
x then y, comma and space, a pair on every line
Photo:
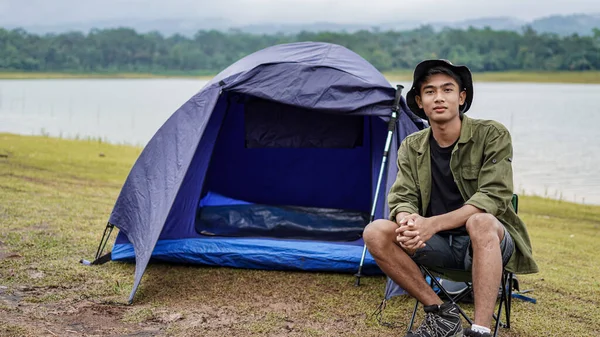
274, 164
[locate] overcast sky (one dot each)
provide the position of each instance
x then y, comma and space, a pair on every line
241, 12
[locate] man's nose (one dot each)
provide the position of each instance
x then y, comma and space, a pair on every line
439, 97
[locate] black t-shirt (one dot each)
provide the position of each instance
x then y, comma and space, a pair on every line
445, 196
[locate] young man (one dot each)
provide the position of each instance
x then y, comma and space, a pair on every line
450, 203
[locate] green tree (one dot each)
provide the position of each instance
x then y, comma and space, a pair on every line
125, 50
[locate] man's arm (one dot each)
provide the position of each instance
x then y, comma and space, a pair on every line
495, 180
454, 219
403, 196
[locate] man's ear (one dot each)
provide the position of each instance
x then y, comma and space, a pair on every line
462, 97
419, 102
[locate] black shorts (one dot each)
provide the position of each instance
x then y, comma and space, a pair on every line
453, 251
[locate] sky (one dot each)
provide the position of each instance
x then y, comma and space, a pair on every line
243, 12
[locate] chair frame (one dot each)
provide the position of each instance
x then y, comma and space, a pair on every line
505, 298
465, 276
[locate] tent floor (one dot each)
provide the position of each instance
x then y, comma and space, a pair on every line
258, 253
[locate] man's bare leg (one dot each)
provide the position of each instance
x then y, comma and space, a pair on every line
380, 238
486, 233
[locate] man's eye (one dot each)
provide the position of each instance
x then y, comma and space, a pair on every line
448, 90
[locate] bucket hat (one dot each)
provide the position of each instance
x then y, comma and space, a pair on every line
421, 70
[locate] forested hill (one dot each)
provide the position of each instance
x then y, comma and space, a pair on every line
125, 50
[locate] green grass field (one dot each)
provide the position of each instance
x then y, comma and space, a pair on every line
590, 77
56, 196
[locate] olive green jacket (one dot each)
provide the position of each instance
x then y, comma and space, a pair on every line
481, 164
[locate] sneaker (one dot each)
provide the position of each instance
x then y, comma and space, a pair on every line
470, 333
440, 321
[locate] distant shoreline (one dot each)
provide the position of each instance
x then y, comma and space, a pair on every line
56, 75
586, 77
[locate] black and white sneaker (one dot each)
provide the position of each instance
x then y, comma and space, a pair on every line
440, 321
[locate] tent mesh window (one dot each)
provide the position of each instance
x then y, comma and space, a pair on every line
271, 124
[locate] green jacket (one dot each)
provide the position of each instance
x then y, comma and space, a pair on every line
481, 164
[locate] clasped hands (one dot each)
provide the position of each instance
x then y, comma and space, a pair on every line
413, 232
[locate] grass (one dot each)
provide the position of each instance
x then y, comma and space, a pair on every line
588, 77
56, 196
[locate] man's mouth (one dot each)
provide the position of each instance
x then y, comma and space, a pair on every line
439, 109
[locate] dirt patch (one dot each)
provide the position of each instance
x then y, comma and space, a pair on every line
286, 307
88, 318
85, 317
68, 318
4, 254
8, 298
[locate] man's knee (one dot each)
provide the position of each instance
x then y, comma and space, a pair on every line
378, 231
484, 225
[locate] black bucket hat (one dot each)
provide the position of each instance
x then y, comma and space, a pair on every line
422, 68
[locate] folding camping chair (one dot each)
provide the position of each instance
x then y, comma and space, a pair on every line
465, 276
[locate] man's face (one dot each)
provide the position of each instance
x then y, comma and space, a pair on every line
440, 97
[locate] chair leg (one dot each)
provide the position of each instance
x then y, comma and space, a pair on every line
502, 301
509, 299
414, 315
505, 299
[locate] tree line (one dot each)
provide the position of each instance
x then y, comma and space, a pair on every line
125, 50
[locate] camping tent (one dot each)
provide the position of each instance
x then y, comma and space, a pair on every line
272, 165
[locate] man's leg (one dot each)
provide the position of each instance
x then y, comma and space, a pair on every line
380, 238
486, 233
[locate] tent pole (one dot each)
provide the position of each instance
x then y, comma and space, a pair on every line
382, 169
104, 240
100, 259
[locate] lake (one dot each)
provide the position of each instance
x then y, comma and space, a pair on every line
554, 126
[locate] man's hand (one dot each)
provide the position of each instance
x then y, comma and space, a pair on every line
416, 225
414, 231
400, 216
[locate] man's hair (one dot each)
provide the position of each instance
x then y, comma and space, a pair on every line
435, 71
